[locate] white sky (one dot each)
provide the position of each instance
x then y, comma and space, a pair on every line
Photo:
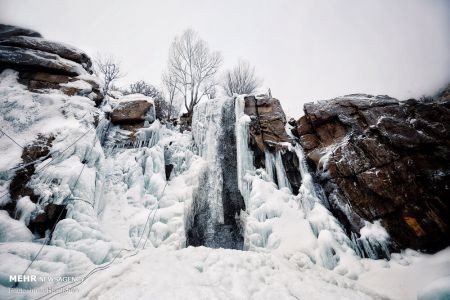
304, 50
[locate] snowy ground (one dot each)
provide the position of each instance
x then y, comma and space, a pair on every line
295, 248
203, 273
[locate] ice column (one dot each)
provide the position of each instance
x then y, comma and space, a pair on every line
244, 155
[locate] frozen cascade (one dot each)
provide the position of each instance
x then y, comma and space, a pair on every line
275, 169
118, 138
218, 203
107, 191
245, 167
373, 240
278, 220
139, 184
308, 189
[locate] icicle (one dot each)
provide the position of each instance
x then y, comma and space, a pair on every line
244, 155
282, 179
269, 163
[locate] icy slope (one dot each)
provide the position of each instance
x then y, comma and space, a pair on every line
205, 273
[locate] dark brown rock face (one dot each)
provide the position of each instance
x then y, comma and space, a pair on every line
381, 159
18, 188
268, 133
47, 219
131, 112
268, 121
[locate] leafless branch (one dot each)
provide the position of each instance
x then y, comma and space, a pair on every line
193, 67
108, 67
241, 79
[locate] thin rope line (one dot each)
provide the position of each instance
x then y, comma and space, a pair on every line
47, 239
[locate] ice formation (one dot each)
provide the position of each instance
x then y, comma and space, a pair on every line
215, 214
163, 191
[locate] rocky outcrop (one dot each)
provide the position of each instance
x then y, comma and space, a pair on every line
268, 133
24, 59
45, 64
47, 219
383, 159
7, 31
267, 121
42, 65
40, 44
132, 112
38, 150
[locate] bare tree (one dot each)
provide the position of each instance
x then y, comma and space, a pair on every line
241, 79
170, 85
193, 66
108, 67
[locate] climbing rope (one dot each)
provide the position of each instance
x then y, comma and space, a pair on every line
13, 140
136, 250
97, 269
55, 157
47, 239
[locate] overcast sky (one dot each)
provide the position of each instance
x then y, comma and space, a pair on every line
304, 50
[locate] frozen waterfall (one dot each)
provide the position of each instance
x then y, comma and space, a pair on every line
215, 214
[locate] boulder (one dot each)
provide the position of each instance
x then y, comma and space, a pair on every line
387, 160
132, 110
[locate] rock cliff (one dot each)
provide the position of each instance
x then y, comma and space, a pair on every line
383, 159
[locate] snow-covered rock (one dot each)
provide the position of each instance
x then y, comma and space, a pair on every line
132, 109
64, 51
380, 159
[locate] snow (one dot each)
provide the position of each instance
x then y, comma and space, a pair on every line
123, 99
12, 230
407, 274
80, 85
24, 208
73, 170
118, 196
204, 273
438, 289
